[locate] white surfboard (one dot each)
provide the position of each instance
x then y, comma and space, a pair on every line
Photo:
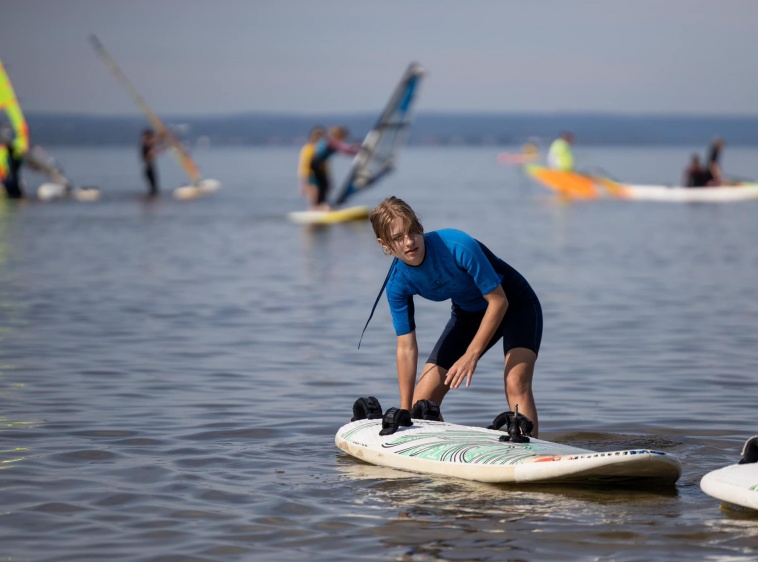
736, 484
475, 453
330, 217
50, 190
201, 189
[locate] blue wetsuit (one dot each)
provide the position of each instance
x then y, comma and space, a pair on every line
462, 269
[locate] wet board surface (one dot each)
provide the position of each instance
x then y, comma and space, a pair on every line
475, 453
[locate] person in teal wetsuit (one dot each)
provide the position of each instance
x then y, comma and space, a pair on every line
323, 150
490, 301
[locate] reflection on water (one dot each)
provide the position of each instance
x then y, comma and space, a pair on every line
172, 374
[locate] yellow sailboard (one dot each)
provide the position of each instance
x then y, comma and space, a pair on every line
198, 186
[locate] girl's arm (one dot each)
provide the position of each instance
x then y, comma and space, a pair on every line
407, 362
497, 305
344, 148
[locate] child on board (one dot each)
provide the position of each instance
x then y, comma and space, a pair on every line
305, 174
559, 156
490, 301
334, 142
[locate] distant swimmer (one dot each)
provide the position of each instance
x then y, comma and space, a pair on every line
150, 147
333, 142
12, 180
560, 156
694, 174
308, 186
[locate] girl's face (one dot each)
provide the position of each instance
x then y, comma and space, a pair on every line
406, 246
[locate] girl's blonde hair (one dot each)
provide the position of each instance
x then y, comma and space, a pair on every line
386, 212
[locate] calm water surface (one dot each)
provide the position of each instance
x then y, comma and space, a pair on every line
172, 374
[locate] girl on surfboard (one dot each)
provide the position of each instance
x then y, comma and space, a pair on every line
490, 301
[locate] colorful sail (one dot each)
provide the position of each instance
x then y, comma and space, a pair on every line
378, 152
160, 128
10, 106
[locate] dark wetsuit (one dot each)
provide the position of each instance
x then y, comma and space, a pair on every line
321, 153
323, 150
149, 168
697, 177
13, 181
713, 158
462, 269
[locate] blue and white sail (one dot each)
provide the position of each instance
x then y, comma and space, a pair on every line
379, 149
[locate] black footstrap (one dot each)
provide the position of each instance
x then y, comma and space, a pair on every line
393, 419
366, 409
426, 410
517, 426
750, 451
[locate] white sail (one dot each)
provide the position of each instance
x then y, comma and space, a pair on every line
379, 149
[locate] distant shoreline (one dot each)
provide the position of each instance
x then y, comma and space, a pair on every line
430, 128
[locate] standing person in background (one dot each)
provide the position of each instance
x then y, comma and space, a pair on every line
559, 156
694, 174
333, 142
490, 301
12, 181
149, 149
714, 176
308, 187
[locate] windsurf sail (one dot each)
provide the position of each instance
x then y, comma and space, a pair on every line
379, 149
182, 154
10, 106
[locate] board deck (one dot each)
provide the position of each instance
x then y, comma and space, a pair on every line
475, 453
49, 191
736, 484
330, 217
203, 188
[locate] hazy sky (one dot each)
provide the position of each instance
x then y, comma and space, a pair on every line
310, 56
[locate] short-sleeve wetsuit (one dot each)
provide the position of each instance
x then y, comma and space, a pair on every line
462, 269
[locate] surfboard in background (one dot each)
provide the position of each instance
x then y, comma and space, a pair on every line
476, 453
737, 484
198, 186
377, 155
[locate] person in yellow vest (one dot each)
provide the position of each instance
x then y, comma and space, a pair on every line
305, 174
560, 157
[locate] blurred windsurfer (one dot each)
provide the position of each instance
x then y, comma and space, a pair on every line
694, 174
324, 149
713, 170
12, 181
560, 157
308, 186
150, 148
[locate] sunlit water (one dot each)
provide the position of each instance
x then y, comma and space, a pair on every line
172, 374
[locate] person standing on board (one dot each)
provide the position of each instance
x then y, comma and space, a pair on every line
559, 156
305, 174
150, 148
333, 142
490, 301
12, 181
714, 177
694, 174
